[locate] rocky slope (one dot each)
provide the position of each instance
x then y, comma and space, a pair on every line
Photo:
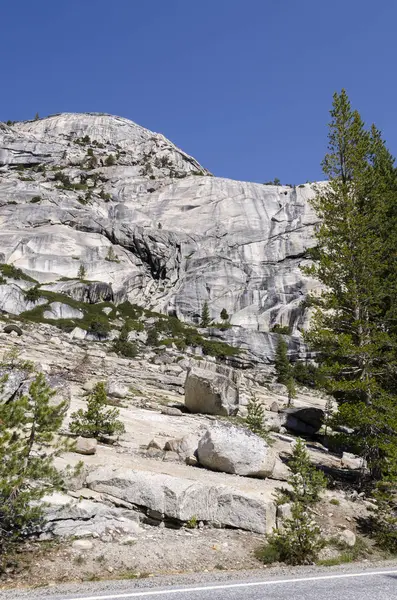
148, 224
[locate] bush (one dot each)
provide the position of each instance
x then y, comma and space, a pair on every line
152, 337
298, 542
35, 199
14, 273
110, 161
33, 294
122, 346
306, 374
281, 329
98, 325
97, 421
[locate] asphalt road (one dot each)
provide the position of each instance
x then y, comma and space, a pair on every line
363, 585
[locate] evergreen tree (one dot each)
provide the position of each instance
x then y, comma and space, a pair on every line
255, 416
291, 389
298, 540
305, 480
205, 316
224, 315
354, 329
81, 272
36, 117
28, 445
97, 420
281, 362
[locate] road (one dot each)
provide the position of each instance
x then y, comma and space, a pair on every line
362, 585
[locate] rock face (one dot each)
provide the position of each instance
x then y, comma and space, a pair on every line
58, 310
182, 499
212, 389
235, 450
128, 206
306, 420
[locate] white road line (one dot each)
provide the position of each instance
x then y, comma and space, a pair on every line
230, 586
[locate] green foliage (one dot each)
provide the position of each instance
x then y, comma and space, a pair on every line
354, 330
35, 199
385, 516
152, 337
192, 523
281, 329
28, 445
281, 361
97, 421
305, 480
306, 374
205, 316
298, 542
224, 315
32, 294
14, 273
291, 389
36, 117
122, 346
81, 273
275, 181
255, 417
111, 256
110, 160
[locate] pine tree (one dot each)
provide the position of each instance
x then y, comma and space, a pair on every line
224, 315
97, 421
205, 315
81, 272
305, 480
281, 362
36, 117
255, 416
354, 329
298, 540
291, 389
28, 445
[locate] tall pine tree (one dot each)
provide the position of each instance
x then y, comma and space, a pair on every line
354, 329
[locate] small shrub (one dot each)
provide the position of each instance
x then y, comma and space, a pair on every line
97, 420
110, 161
35, 199
281, 329
334, 501
224, 315
33, 294
255, 416
122, 346
192, 523
99, 325
152, 337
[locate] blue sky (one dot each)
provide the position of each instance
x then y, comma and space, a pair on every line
245, 86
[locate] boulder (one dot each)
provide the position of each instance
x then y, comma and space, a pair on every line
231, 449
351, 461
182, 499
212, 389
274, 407
13, 329
85, 446
347, 537
307, 420
59, 310
13, 384
116, 389
78, 334
184, 447
171, 411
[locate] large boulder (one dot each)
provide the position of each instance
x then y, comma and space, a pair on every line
184, 447
231, 449
183, 499
59, 310
307, 420
13, 382
212, 389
